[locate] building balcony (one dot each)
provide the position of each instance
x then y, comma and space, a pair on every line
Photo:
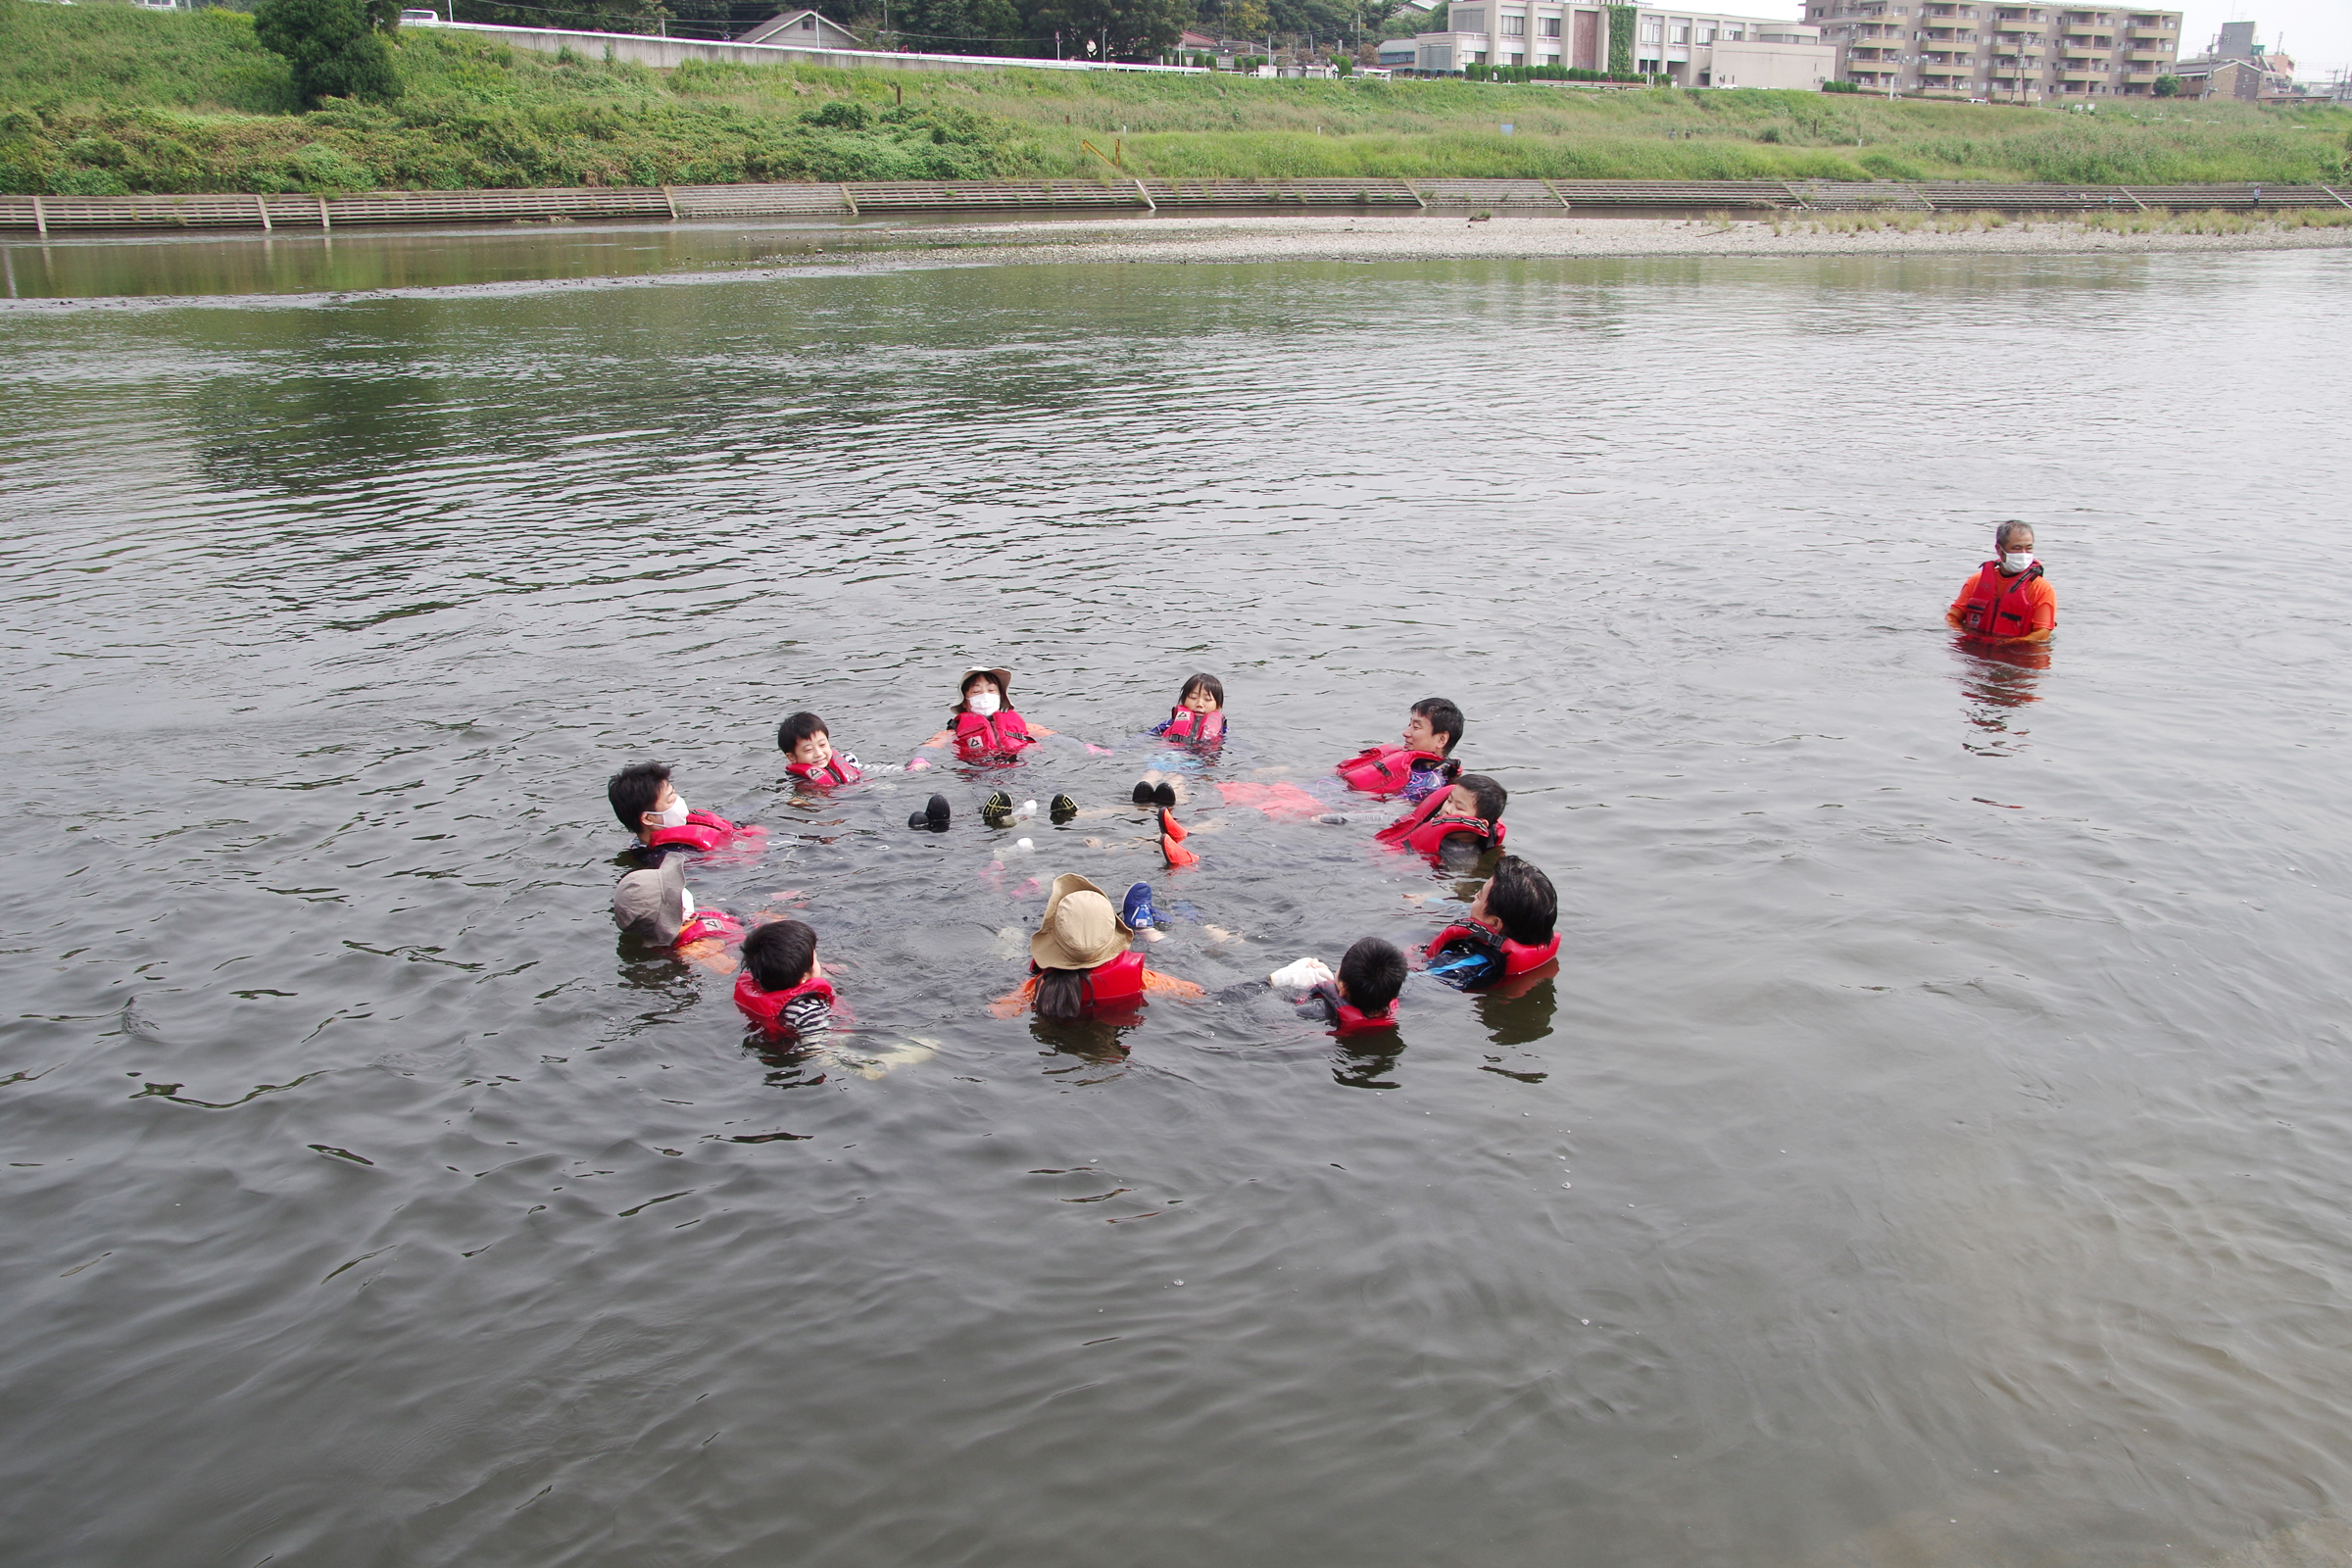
2139, 31
2084, 75
2158, 55
2005, 25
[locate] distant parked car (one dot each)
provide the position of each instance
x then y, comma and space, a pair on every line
420, 16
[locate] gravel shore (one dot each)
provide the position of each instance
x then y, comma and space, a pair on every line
1426, 236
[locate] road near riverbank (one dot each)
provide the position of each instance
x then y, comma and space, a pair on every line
1431, 237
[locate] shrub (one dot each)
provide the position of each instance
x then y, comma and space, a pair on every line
332, 50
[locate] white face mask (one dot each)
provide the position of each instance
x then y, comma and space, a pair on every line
2017, 560
983, 703
674, 816
688, 897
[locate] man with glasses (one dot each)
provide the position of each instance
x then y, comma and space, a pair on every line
2008, 600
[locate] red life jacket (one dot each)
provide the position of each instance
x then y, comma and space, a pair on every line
1998, 605
1517, 956
1116, 983
710, 923
998, 734
1352, 1020
1424, 831
701, 830
1382, 770
766, 1008
835, 771
1201, 730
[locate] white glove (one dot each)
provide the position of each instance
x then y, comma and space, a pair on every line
1304, 974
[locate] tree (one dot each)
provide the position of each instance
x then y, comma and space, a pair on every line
2168, 86
1113, 30
1248, 19
961, 26
332, 50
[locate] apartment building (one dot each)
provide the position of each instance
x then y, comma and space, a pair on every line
1516, 33
1691, 49
2005, 53
1719, 51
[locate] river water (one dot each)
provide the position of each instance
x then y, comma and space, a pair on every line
1934, 1149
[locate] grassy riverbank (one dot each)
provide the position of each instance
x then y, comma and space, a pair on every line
104, 98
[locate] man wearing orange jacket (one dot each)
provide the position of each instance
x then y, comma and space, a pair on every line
2008, 600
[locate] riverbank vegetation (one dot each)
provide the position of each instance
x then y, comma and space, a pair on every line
103, 98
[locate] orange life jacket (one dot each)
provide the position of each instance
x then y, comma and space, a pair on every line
1199, 729
766, 1008
1517, 956
835, 771
1998, 605
998, 734
1384, 769
701, 830
1424, 830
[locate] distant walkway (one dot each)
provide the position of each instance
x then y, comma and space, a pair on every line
663, 53
956, 198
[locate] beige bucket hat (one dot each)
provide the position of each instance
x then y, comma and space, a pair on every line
653, 903
1002, 676
1081, 929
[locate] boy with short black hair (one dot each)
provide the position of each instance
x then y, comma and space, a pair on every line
1363, 995
1513, 929
809, 755
649, 807
782, 987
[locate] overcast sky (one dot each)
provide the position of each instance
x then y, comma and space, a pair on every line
2317, 34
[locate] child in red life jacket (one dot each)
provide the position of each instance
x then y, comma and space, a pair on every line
809, 756
650, 807
983, 727
782, 987
1199, 717
1466, 818
1364, 993
1080, 962
654, 905
1513, 930
1421, 764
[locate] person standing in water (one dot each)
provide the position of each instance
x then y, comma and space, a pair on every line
2008, 600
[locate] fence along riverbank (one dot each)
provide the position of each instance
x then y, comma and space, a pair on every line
45, 215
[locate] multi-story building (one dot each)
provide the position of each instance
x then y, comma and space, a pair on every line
1719, 51
2005, 53
2237, 66
1691, 49
1517, 32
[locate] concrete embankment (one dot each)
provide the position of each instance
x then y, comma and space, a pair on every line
1587, 198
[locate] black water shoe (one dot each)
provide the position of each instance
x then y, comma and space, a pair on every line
1143, 792
933, 818
997, 810
1062, 808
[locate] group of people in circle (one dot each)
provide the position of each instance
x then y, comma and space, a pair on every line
1083, 960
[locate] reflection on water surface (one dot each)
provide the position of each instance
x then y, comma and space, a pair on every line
1927, 1151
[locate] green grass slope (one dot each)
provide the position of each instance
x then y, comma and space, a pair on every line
100, 98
